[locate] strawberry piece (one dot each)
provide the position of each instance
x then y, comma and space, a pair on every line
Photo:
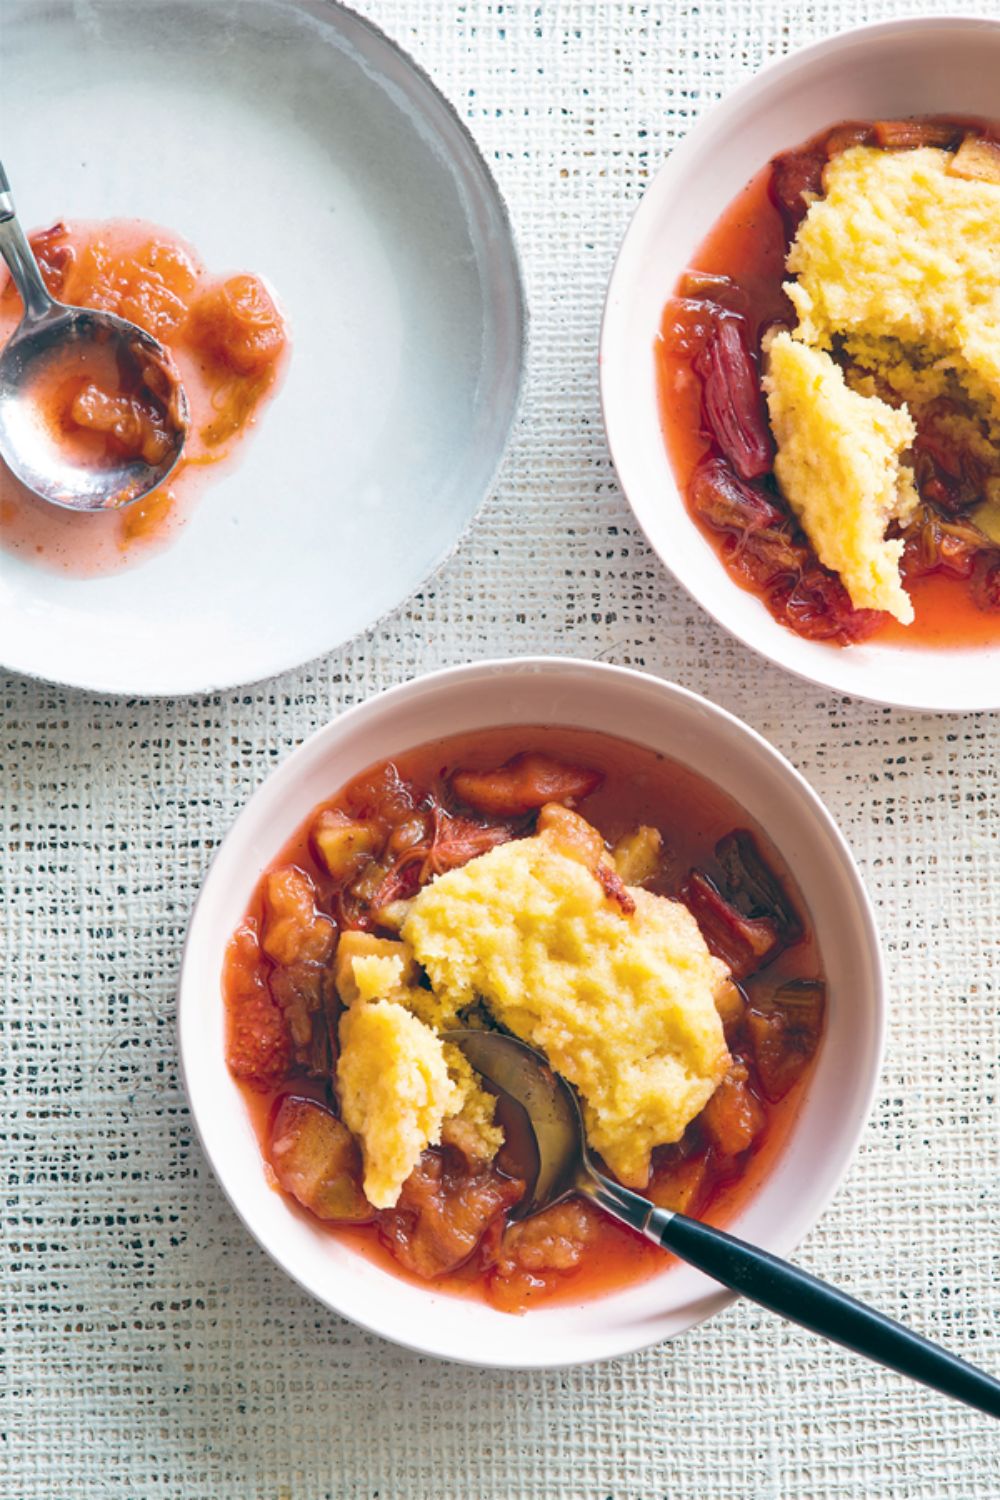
238, 324
524, 784
445, 1208
258, 1046
986, 586
536, 1254
294, 931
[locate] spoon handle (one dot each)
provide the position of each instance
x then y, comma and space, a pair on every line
794, 1294
18, 254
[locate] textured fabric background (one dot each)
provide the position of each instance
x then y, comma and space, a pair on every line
151, 1350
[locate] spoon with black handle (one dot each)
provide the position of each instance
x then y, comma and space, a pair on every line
565, 1167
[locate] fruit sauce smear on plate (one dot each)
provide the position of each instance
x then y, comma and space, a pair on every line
592, 896
228, 341
829, 389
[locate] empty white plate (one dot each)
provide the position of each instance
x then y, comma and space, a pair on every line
295, 141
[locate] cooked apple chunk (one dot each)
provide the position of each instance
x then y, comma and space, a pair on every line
390, 977
977, 159
637, 854
343, 843
316, 1159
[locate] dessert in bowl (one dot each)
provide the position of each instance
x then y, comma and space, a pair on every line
808, 423
476, 846
226, 343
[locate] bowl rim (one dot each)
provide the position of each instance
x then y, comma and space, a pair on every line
723, 111
456, 677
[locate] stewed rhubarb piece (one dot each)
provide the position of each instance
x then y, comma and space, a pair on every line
734, 406
934, 545
977, 160
784, 1026
753, 885
907, 135
749, 926
727, 504
761, 549
745, 944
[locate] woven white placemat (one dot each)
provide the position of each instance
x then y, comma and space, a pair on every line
151, 1351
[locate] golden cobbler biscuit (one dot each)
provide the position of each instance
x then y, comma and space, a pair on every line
621, 1004
395, 1092
378, 978
900, 260
838, 464
399, 1084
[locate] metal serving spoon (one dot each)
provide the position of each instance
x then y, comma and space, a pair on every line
565, 1167
51, 331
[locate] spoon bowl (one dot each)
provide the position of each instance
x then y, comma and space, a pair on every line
565, 1167
56, 348
522, 1074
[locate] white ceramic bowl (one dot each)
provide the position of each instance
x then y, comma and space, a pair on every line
906, 67
649, 712
305, 146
